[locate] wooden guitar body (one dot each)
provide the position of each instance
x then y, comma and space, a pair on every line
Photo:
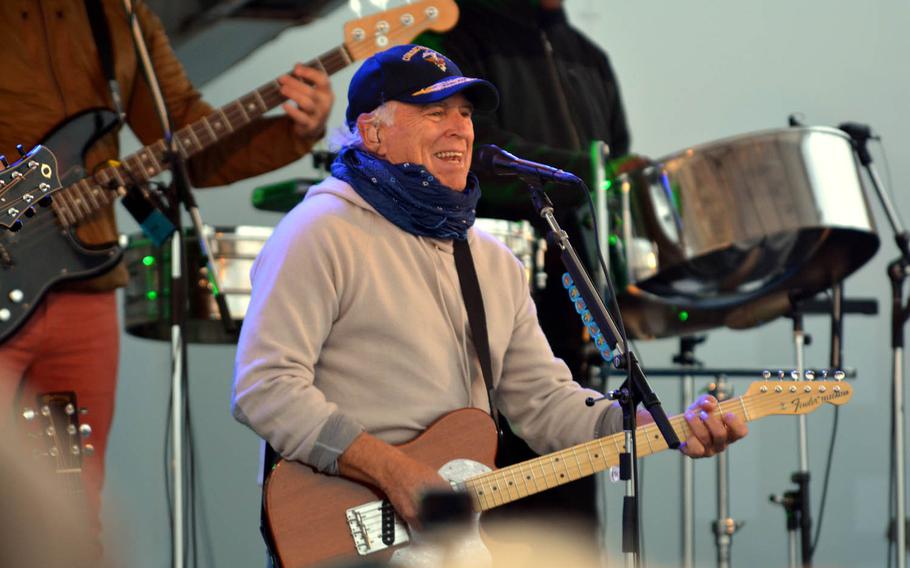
294, 490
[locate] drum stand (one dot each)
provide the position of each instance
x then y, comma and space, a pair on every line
182, 194
796, 503
686, 359
724, 527
898, 271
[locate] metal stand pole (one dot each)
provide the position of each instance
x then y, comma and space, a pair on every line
898, 271
686, 359
724, 527
182, 195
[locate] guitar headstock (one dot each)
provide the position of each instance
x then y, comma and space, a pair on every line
779, 396
371, 34
62, 437
28, 182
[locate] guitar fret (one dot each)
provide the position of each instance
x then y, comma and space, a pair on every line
261, 101
61, 206
147, 156
745, 411
581, 471
481, 496
513, 483
134, 168
208, 129
238, 106
91, 193
346, 57
188, 140
79, 205
322, 68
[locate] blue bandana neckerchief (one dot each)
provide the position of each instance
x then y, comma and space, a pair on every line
408, 195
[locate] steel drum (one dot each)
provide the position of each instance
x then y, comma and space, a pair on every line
148, 302
726, 233
521, 239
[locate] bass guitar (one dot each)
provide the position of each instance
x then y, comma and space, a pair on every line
314, 518
35, 254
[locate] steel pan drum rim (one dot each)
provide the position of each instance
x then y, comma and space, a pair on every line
740, 138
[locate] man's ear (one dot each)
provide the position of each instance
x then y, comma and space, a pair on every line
369, 132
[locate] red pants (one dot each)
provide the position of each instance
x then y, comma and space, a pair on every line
71, 343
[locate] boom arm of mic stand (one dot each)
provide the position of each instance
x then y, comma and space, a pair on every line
639, 388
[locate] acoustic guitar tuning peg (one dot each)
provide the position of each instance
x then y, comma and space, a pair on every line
30, 212
21, 150
45, 201
16, 226
4, 161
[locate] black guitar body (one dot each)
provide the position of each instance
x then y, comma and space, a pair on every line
43, 252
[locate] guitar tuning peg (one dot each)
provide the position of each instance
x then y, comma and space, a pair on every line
89, 450
810, 375
780, 374
69, 409
4, 161
29, 414
85, 430
16, 226
794, 374
839, 375
21, 150
766, 374
45, 201
30, 212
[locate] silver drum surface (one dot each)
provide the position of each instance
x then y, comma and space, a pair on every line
148, 302
725, 233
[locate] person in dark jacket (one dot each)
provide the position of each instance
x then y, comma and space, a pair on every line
560, 95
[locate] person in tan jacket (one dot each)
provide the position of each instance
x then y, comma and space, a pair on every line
53, 72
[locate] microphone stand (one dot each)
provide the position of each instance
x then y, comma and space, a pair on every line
634, 390
898, 270
181, 194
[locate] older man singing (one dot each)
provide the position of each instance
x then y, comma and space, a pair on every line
357, 337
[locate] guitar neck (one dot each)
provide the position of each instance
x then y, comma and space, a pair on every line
86, 197
511, 483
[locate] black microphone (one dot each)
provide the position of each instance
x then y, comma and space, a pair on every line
493, 160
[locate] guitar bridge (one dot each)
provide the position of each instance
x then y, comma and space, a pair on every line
375, 526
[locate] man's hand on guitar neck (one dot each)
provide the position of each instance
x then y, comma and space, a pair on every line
403, 479
711, 431
310, 100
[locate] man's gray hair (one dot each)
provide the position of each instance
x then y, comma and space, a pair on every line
342, 137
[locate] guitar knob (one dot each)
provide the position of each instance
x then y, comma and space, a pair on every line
5, 314
16, 296
85, 430
88, 450
4, 161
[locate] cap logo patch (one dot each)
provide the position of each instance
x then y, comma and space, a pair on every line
428, 55
451, 82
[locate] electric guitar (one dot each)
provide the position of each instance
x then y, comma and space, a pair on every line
314, 518
38, 253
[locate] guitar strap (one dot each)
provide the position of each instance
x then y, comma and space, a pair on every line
103, 42
477, 318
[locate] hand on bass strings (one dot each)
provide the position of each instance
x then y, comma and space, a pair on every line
310, 100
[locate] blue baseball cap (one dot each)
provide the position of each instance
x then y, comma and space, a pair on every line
413, 74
